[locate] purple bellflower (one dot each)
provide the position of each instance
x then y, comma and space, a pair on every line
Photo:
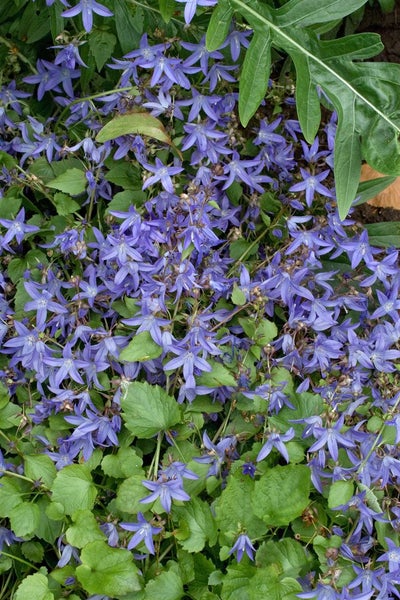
144, 532
243, 546
87, 8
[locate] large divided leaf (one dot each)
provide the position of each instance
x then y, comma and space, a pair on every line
366, 95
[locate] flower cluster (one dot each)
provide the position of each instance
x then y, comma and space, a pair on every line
214, 269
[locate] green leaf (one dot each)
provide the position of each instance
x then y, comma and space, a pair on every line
167, 9
310, 12
359, 46
219, 24
34, 587
236, 583
265, 332
217, 377
290, 555
123, 464
64, 204
107, 571
128, 30
238, 297
232, 507
74, 489
141, 348
254, 75
347, 163
24, 519
129, 494
33, 551
72, 181
148, 409
101, 44
307, 99
384, 234
84, 530
40, 467
366, 95
340, 492
387, 5
267, 584
291, 481
166, 586
126, 175
369, 189
198, 517
7, 161
10, 496
141, 123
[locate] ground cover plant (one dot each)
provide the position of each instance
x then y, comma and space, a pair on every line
199, 365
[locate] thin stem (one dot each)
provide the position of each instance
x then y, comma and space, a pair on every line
21, 560
14, 50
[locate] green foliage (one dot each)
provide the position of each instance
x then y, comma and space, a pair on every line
134, 123
108, 571
365, 95
74, 489
148, 409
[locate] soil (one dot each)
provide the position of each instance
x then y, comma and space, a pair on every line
365, 213
388, 27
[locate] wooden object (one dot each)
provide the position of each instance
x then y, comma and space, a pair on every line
389, 197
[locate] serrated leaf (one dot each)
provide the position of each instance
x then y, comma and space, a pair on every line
84, 530
40, 467
235, 585
72, 181
123, 464
33, 551
219, 24
127, 29
129, 494
167, 9
141, 348
7, 161
238, 297
202, 528
232, 507
141, 123
254, 75
107, 571
291, 481
101, 44
289, 554
340, 492
24, 519
148, 409
34, 587
74, 489
266, 583
64, 204
217, 377
166, 586
10, 496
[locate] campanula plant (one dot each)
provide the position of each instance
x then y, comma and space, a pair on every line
199, 357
